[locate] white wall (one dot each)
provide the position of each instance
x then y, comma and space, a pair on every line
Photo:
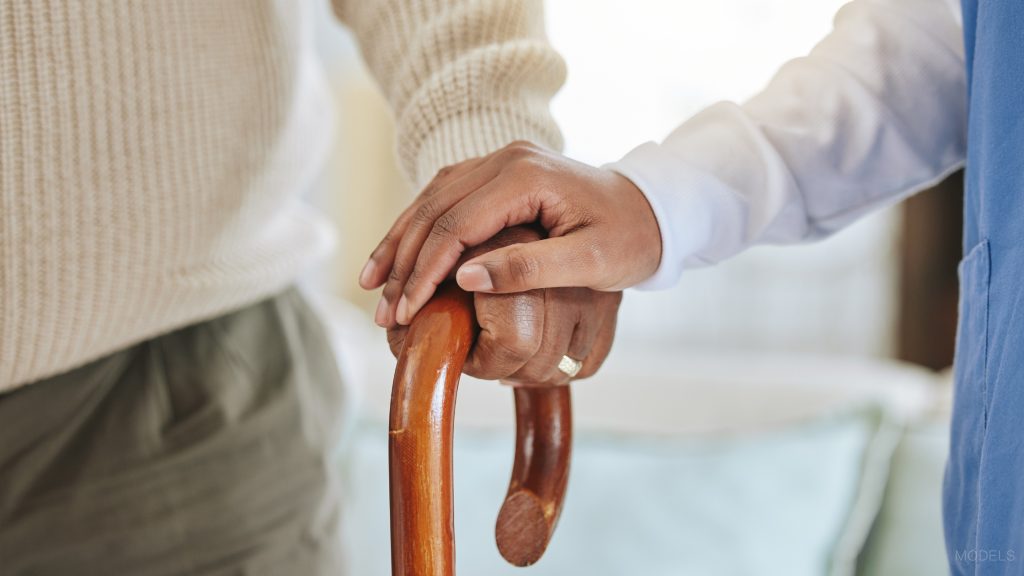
637, 69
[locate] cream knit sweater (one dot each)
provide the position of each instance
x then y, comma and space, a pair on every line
152, 151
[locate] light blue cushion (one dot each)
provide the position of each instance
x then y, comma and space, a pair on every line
775, 502
907, 538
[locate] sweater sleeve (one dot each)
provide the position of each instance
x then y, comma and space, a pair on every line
463, 77
874, 113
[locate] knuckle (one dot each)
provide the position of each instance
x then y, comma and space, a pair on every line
522, 267
510, 345
518, 150
432, 188
416, 279
444, 172
398, 273
493, 359
392, 291
519, 145
446, 227
427, 212
514, 351
473, 367
512, 325
531, 173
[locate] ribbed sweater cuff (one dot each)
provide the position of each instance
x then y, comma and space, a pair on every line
473, 134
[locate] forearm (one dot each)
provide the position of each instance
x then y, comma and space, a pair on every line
875, 112
464, 77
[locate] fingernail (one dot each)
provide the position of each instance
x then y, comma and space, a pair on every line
474, 278
403, 310
367, 274
381, 316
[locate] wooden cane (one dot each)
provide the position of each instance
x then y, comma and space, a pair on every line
420, 448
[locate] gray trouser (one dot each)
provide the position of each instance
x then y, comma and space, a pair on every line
203, 451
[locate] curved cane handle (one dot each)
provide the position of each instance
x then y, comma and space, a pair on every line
420, 448
539, 475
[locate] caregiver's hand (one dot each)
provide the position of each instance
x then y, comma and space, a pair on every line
602, 232
523, 336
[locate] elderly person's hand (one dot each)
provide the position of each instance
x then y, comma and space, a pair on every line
523, 336
602, 233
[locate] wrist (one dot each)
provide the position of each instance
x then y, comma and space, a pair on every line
642, 242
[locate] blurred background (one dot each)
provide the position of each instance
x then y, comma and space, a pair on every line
785, 412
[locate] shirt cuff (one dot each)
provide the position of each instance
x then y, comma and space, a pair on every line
686, 202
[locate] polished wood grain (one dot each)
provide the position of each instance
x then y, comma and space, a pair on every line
539, 476
420, 448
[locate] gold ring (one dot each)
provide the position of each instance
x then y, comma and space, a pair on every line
570, 366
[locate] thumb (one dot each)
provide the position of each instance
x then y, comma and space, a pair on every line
551, 263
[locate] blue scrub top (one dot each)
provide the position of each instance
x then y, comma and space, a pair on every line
984, 487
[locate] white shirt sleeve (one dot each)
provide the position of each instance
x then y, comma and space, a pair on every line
875, 112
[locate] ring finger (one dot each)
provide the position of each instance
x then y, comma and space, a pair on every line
561, 338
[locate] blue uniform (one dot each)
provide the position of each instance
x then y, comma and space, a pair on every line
984, 489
